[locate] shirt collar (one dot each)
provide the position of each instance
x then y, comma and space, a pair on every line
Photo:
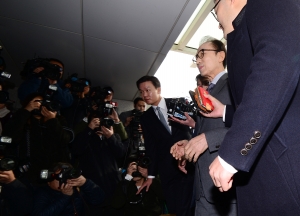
216, 79
162, 104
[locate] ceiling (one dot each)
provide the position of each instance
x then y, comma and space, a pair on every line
111, 42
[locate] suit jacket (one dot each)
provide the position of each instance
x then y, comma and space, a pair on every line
264, 70
158, 142
214, 130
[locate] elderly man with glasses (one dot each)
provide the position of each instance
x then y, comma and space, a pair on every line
208, 134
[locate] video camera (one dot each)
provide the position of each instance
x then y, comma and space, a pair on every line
65, 173
77, 84
177, 107
51, 71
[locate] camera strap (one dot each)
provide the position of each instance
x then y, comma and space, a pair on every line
28, 142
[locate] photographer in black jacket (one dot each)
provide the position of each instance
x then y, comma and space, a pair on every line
38, 136
97, 150
16, 197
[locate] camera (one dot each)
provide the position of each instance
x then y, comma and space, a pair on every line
50, 71
6, 163
77, 84
65, 173
134, 125
178, 106
47, 101
107, 122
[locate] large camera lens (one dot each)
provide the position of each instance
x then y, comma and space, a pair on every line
107, 122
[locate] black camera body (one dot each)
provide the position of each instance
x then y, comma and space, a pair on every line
77, 84
6, 162
65, 173
177, 107
134, 125
50, 71
107, 122
48, 101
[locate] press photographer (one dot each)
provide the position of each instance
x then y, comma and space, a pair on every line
14, 190
145, 203
67, 192
38, 136
80, 88
97, 150
39, 73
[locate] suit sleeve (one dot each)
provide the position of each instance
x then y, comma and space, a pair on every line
150, 148
274, 75
214, 138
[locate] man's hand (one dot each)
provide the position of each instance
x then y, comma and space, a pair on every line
107, 132
181, 166
143, 171
220, 176
7, 176
131, 168
218, 108
177, 150
78, 182
128, 120
189, 121
51, 82
195, 147
67, 189
38, 69
94, 123
114, 116
47, 114
34, 104
146, 184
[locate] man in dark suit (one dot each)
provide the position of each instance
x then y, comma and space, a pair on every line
262, 144
209, 134
159, 136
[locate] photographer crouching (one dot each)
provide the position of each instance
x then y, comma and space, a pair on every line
148, 203
66, 193
97, 150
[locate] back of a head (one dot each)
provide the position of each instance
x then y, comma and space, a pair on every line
151, 79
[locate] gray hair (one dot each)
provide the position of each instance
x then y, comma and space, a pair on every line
206, 39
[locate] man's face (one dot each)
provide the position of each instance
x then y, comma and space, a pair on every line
54, 184
149, 93
227, 11
140, 105
60, 65
208, 65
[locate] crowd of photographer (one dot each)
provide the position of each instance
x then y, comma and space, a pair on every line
63, 122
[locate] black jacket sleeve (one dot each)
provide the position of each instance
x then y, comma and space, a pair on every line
17, 197
43, 205
92, 193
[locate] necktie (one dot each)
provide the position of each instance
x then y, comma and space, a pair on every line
162, 119
210, 87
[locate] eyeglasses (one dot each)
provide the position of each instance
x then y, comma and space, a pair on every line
213, 13
200, 54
